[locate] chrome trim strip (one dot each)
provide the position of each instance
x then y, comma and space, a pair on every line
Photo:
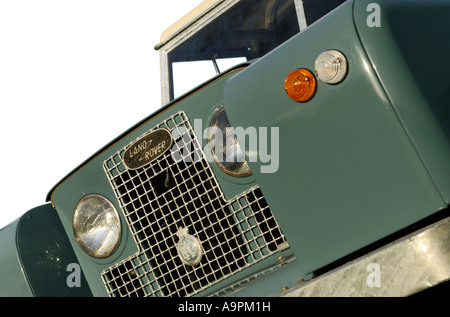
167, 46
300, 15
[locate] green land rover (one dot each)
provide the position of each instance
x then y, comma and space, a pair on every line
302, 149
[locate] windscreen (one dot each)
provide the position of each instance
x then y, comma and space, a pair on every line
248, 30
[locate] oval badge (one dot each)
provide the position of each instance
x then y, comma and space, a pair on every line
147, 149
189, 248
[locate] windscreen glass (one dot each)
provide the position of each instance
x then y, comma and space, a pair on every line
248, 30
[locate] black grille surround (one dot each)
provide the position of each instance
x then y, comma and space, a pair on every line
168, 194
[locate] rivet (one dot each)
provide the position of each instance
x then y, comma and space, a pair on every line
281, 258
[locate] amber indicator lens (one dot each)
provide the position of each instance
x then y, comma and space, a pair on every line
300, 85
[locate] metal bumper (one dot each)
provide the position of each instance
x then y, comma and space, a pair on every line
404, 267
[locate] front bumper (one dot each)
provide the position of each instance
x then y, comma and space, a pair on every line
404, 267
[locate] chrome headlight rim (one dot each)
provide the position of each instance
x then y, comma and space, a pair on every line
79, 240
237, 175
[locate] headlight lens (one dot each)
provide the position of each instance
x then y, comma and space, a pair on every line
96, 225
226, 152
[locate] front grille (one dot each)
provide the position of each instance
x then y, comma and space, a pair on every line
168, 194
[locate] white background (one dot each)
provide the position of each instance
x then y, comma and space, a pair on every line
73, 76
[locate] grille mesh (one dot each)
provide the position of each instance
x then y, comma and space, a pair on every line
169, 194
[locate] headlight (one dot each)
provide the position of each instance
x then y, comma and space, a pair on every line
226, 151
96, 225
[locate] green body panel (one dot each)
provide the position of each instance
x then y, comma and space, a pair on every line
348, 173
35, 257
411, 53
46, 255
13, 282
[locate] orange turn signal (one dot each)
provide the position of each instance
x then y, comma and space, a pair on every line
300, 85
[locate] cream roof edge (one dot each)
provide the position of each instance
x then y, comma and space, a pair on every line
190, 17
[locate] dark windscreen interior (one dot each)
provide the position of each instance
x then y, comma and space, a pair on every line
249, 29
315, 9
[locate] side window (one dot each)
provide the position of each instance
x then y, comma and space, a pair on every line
189, 74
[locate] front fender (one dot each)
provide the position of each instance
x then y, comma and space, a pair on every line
410, 51
348, 174
36, 257
13, 282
